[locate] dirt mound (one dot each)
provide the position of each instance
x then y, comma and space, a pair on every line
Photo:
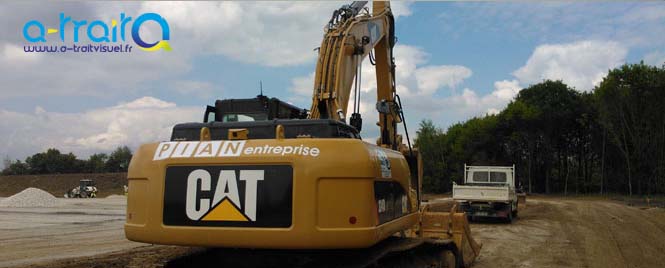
31, 197
59, 184
116, 196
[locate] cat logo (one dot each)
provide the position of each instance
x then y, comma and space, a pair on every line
225, 205
228, 196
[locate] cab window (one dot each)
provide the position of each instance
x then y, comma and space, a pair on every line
498, 177
243, 117
480, 177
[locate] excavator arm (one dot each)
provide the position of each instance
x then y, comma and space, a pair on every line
350, 37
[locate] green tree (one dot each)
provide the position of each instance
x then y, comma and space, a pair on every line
631, 101
431, 152
119, 159
16, 168
96, 163
549, 131
6, 162
52, 161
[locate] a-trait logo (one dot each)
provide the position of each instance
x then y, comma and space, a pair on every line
225, 205
98, 36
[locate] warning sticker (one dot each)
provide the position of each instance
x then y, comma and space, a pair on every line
384, 162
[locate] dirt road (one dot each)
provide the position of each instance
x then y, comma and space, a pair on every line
550, 232
575, 233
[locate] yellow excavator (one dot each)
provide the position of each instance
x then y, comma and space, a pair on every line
267, 179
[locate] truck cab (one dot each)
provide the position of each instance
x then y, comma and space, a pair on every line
488, 191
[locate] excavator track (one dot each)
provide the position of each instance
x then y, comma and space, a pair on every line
443, 240
392, 252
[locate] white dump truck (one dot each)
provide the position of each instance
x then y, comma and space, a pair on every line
488, 191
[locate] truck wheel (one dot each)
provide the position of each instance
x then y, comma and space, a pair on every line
509, 218
450, 258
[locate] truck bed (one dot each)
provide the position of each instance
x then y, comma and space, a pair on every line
483, 193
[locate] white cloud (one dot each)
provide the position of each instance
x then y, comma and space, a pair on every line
145, 102
635, 24
427, 91
264, 33
506, 90
143, 120
493, 111
101, 75
431, 78
401, 8
14, 55
70, 74
302, 86
656, 58
417, 84
581, 64
201, 89
407, 58
470, 103
412, 73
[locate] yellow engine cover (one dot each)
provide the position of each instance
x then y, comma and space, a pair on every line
303, 193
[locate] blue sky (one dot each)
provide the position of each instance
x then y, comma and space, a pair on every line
455, 60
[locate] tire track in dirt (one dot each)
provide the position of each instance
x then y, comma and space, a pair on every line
535, 239
553, 232
640, 241
603, 241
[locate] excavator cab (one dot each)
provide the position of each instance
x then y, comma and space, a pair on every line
260, 116
260, 108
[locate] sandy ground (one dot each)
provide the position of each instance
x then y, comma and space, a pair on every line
550, 232
79, 227
575, 233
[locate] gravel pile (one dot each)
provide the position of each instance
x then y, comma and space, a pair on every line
30, 197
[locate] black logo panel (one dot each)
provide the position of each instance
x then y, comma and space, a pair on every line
237, 196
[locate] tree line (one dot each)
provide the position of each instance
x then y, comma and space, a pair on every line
609, 140
52, 161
